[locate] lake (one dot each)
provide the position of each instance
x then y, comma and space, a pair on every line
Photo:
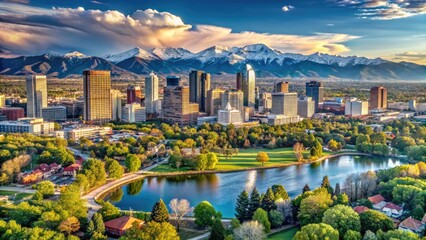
222, 189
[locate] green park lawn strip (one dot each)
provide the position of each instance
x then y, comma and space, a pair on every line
284, 234
6, 193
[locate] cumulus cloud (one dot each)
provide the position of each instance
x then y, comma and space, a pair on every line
31, 30
411, 56
287, 8
385, 9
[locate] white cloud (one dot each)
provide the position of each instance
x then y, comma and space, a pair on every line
38, 30
287, 8
410, 56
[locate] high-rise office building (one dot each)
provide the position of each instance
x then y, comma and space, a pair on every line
305, 107
134, 94
55, 113
284, 104
97, 96
133, 112
239, 79
235, 98
151, 94
36, 95
356, 108
199, 84
214, 101
265, 102
229, 115
315, 90
281, 87
249, 85
2, 100
378, 97
116, 105
173, 81
176, 107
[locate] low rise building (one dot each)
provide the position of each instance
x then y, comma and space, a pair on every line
305, 107
36, 126
77, 132
378, 201
119, 226
354, 108
412, 225
54, 113
280, 119
133, 112
229, 115
12, 113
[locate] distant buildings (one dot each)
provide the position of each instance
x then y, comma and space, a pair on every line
199, 84
97, 96
116, 105
77, 132
152, 102
176, 107
378, 97
36, 95
305, 107
249, 85
173, 81
55, 113
134, 112
284, 103
134, 94
12, 113
355, 108
235, 98
2, 101
265, 102
281, 87
315, 90
36, 126
229, 115
214, 101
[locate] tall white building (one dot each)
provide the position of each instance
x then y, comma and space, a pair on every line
36, 95
151, 94
229, 115
265, 102
116, 104
235, 98
249, 86
134, 112
306, 107
355, 108
284, 104
2, 100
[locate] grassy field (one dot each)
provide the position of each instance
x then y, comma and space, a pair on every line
19, 196
246, 158
285, 234
6, 193
185, 234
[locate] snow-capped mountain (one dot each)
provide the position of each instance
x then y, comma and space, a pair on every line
266, 61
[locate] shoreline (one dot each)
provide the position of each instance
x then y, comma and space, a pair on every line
99, 193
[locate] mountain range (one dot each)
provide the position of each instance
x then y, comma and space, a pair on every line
266, 61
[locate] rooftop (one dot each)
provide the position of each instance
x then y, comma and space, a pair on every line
122, 223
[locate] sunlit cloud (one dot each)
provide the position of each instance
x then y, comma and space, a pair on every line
32, 30
287, 8
415, 57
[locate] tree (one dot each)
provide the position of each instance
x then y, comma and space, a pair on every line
251, 230
70, 200
342, 218
114, 169
341, 199
352, 235
109, 211
262, 217
397, 234
317, 231
276, 218
90, 230
280, 192
298, 151
133, 162
369, 235
159, 212
200, 162
374, 221
403, 142
98, 223
242, 207
255, 202
69, 225
262, 157
180, 208
313, 207
218, 230
306, 188
155, 230
212, 160
204, 214
94, 169
334, 145
326, 184
316, 150
46, 188
268, 201
4, 178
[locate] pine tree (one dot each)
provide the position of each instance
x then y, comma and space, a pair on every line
98, 223
326, 184
268, 201
159, 212
306, 188
280, 192
218, 230
90, 228
242, 207
337, 190
254, 202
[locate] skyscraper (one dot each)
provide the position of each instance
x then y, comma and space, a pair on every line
199, 84
235, 98
2, 100
177, 108
173, 81
133, 94
214, 101
284, 104
133, 112
97, 96
116, 105
249, 85
240, 81
281, 87
151, 94
36, 95
315, 90
305, 107
378, 97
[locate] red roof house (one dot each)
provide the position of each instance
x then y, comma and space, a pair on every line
392, 210
120, 225
412, 225
360, 209
72, 169
378, 201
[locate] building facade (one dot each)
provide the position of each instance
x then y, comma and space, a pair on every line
12, 113
356, 108
249, 85
97, 96
176, 107
2, 101
36, 126
115, 105
281, 87
55, 113
214, 101
134, 113
305, 107
151, 94
378, 97
315, 90
134, 94
173, 81
199, 84
284, 104
36, 95
235, 98
265, 102
229, 115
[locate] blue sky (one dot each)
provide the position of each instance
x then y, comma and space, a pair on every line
393, 29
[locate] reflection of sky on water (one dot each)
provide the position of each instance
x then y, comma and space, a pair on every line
222, 189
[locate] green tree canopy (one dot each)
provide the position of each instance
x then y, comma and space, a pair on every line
133, 163
204, 214
342, 218
375, 221
262, 217
317, 231
159, 212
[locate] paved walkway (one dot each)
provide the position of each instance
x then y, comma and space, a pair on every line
204, 236
17, 189
80, 153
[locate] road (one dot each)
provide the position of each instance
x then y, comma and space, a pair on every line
78, 152
17, 189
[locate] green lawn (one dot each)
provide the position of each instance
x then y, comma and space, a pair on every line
185, 234
284, 235
19, 196
6, 193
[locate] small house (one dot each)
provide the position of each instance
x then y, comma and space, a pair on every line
119, 226
360, 209
392, 210
378, 201
412, 225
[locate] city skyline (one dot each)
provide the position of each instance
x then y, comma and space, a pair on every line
389, 29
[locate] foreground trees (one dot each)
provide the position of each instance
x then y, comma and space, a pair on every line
252, 230
180, 208
313, 207
317, 231
342, 218
205, 214
159, 212
375, 221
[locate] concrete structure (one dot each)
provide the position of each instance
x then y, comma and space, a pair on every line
315, 90
116, 105
36, 95
281, 87
305, 107
249, 85
134, 94
229, 115
176, 107
12, 113
152, 105
55, 113
412, 105
354, 108
265, 102
173, 81
235, 98
239, 83
2, 101
199, 84
284, 104
77, 132
134, 113
209, 119
36, 126
97, 96
378, 97
280, 119
214, 101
